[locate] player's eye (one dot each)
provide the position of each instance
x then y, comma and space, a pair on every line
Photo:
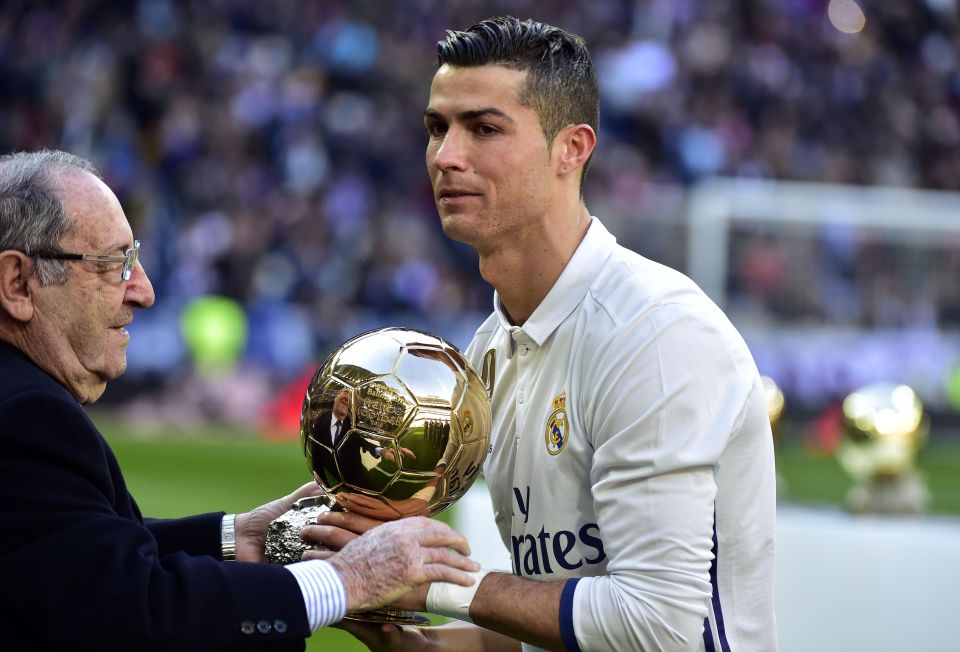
436, 129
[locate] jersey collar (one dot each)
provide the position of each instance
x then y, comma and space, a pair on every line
569, 290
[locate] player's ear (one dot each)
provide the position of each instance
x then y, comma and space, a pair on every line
574, 144
16, 297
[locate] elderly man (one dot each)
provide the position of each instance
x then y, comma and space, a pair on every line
81, 568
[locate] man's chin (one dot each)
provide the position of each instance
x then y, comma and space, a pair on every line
114, 370
455, 228
91, 391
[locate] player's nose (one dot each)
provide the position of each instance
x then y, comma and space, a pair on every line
451, 152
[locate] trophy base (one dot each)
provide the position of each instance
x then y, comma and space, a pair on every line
902, 494
391, 616
283, 545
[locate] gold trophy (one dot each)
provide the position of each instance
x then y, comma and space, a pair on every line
395, 423
775, 407
884, 427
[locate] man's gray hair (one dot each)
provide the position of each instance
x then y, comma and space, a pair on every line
32, 217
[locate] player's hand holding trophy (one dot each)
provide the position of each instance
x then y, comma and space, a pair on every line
395, 423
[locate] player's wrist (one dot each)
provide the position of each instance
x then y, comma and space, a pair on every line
453, 600
415, 600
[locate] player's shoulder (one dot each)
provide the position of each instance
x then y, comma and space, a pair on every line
634, 301
637, 301
629, 286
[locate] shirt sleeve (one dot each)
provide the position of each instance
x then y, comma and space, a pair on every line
667, 392
323, 592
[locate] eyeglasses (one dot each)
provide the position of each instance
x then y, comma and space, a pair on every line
129, 258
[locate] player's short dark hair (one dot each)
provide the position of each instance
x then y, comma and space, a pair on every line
561, 84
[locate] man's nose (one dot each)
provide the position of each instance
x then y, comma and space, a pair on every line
451, 153
139, 288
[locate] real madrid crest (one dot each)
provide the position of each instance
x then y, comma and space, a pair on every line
557, 426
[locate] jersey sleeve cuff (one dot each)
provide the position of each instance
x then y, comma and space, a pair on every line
567, 634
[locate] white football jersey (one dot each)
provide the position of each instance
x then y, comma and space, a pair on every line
631, 449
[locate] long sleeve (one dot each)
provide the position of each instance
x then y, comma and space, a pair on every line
681, 396
82, 571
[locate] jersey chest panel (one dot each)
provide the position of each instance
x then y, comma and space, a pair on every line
538, 467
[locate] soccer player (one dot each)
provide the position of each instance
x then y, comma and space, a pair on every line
631, 463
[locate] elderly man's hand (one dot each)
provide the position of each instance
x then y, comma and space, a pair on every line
334, 530
252, 526
394, 558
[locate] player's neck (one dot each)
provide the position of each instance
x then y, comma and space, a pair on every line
524, 269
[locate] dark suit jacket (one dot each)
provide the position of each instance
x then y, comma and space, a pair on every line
351, 469
80, 569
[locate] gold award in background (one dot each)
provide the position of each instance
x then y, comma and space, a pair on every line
395, 423
884, 426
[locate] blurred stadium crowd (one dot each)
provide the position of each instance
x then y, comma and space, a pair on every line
272, 152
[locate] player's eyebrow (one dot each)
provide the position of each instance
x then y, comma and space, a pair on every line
472, 114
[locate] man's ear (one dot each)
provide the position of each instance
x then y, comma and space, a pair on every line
574, 145
16, 297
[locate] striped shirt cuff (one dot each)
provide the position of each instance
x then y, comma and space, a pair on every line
323, 592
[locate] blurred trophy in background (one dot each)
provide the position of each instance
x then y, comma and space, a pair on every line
884, 427
775, 408
775, 405
395, 423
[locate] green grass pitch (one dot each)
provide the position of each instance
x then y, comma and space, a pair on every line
188, 473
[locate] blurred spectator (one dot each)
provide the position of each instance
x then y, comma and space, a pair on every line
272, 152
